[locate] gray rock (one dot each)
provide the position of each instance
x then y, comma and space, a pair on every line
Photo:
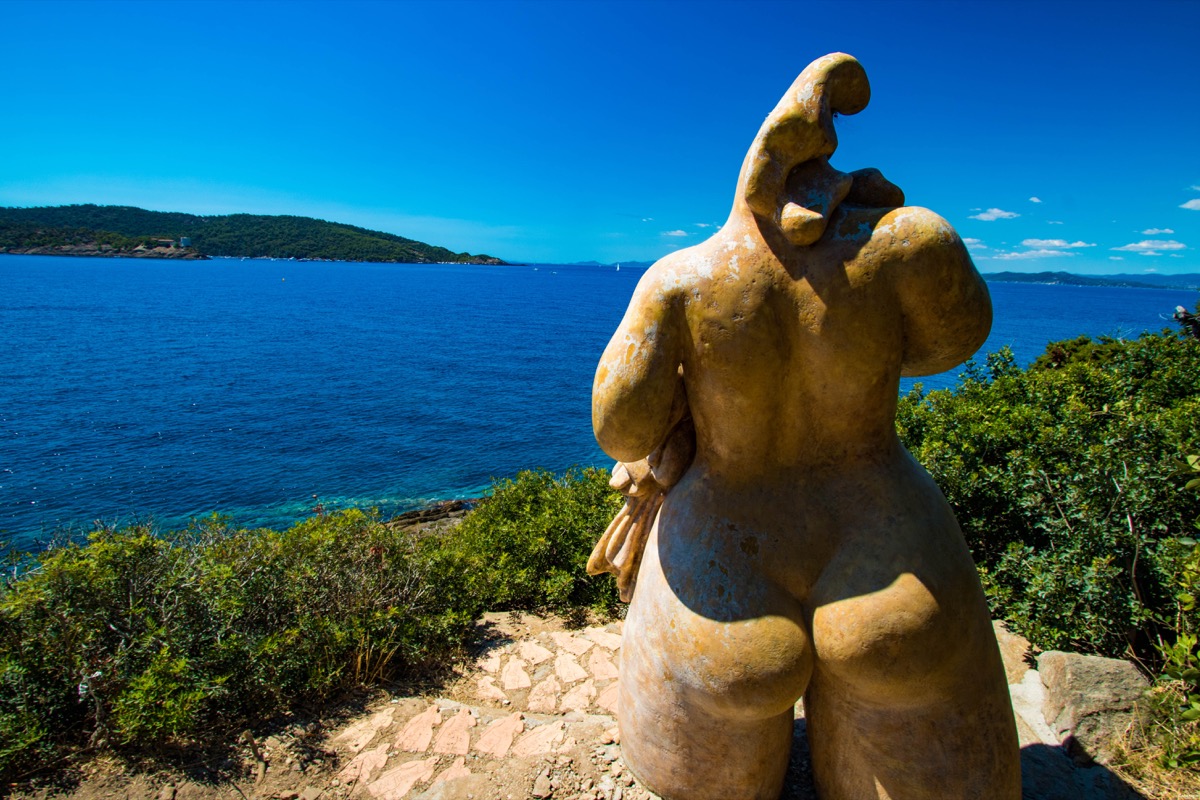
1090, 701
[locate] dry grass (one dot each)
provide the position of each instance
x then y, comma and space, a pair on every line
1144, 759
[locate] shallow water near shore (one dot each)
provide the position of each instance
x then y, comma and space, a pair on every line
167, 390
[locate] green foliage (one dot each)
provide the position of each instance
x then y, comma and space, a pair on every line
237, 235
1061, 477
134, 638
527, 546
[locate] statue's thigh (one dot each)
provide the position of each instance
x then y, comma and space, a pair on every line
908, 697
706, 703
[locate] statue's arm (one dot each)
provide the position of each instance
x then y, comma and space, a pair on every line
944, 303
638, 376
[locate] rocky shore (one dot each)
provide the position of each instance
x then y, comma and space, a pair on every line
108, 251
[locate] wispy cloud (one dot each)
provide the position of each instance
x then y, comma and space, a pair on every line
703, 224
647, 219
975, 243
1054, 222
1156, 231
1149, 247
675, 233
1192, 205
1031, 254
1035, 199
1054, 243
1116, 258
994, 214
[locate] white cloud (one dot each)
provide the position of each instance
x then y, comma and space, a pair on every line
977, 243
647, 219
994, 214
1054, 243
1035, 200
1054, 222
1032, 254
1149, 247
1156, 231
1116, 258
675, 233
1193, 204
702, 224
1195, 187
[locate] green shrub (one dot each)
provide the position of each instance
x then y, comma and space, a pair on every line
527, 545
133, 638
1062, 478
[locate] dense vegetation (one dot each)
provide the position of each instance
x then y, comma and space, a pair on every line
24, 235
237, 235
136, 638
1071, 482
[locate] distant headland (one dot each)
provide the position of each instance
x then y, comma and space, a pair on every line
1148, 280
126, 231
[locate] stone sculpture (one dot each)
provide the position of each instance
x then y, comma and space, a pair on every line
783, 541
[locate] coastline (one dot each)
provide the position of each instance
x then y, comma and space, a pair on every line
107, 251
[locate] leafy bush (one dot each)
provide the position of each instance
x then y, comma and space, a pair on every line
133, 638
527, 546
1062, 478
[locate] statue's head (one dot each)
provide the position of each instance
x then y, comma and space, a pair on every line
786, 180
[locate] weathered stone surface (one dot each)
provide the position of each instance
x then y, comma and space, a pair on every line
514, 676
1028, 697
608, 698
498, 737
574, 645
1090, 701
395, 783
417, 733
453, 772
544, 697
601, 666
1014, 651
454, 737
568, 669
360, 734
609, 641
365, 764
539, 741
534, 653
580, 697
486, 689
776, 539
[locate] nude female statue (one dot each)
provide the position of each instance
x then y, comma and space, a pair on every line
783, 541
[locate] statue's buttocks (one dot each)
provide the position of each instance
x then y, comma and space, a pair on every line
783, 541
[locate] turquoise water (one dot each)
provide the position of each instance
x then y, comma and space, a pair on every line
165, 390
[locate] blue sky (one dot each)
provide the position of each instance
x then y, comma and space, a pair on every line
1054, 136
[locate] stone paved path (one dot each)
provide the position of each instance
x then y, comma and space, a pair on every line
532, 715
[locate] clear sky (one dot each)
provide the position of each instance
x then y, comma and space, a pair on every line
1052, 135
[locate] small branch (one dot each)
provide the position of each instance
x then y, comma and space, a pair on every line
248, 738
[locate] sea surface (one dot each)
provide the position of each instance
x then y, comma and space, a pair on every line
163, 390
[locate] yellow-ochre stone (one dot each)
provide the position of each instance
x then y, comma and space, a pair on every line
778, 541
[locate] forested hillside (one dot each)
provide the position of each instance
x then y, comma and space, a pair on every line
237, 235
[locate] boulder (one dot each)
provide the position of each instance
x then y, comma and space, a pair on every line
1014, 649
1090, 701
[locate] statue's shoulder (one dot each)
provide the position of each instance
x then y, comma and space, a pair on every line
674, 275
897, 233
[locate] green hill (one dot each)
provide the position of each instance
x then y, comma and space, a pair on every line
237, 235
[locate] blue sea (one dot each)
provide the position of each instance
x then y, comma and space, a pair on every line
164, 390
